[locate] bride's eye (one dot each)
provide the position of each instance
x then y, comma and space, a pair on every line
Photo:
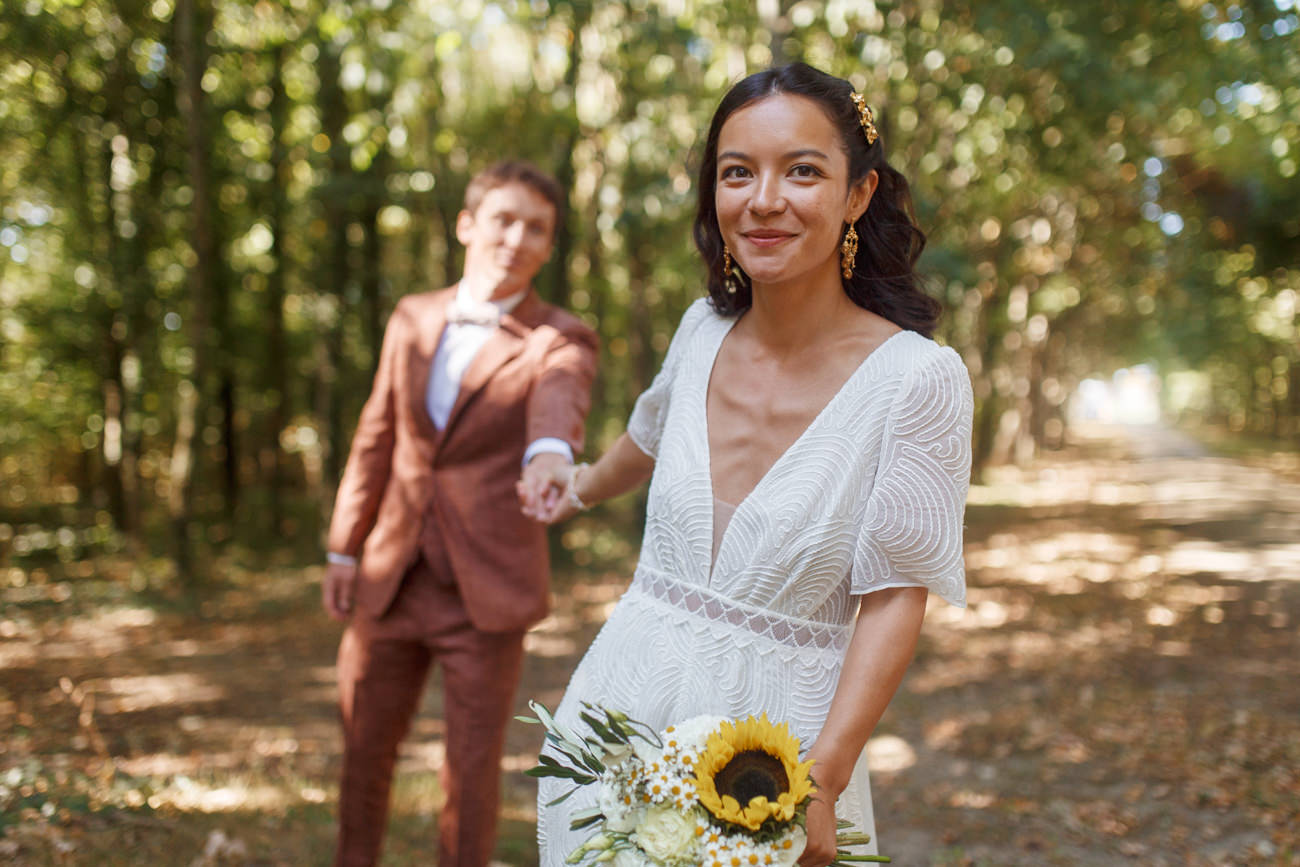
734, 172
803, 170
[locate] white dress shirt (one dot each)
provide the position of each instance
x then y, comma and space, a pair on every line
460, 342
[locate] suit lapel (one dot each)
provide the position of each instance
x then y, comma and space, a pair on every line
426, 344
504, 344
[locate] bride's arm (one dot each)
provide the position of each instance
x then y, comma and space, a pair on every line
618, 471
884, 640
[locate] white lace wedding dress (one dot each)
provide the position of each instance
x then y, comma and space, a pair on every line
870, 496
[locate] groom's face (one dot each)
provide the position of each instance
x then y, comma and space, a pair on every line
507, 238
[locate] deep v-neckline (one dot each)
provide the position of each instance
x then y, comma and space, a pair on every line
740, 506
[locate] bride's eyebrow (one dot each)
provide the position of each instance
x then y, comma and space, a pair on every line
804, 152
792, 155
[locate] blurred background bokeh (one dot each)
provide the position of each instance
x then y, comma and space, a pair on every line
209, 208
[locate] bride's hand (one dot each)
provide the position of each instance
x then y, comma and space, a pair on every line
821, 828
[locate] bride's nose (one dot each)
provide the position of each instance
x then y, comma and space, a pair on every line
768, 197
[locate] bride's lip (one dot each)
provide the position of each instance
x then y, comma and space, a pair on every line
767, 238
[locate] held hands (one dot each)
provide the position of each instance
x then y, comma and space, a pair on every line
544, 489
338, 589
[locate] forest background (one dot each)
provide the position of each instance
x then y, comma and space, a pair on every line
209, 208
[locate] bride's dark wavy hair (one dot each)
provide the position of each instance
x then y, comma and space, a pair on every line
884, 277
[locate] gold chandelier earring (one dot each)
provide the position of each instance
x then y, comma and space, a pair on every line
728, 276
849, 252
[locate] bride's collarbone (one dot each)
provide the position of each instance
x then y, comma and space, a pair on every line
775, 396
812, 370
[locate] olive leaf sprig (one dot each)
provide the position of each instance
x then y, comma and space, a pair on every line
612, 733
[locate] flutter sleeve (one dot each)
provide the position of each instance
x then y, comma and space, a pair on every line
911, 535
646, 424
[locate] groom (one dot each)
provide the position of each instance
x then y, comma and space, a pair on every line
430, 558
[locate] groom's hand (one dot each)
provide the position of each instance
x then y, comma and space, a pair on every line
542, 484
338, 590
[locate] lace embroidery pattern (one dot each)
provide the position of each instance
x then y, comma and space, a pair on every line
700, 601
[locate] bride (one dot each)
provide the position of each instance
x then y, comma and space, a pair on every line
808, 451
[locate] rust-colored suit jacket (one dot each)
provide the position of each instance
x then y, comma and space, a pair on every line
404, 477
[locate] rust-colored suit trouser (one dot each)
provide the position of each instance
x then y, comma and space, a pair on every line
382, 668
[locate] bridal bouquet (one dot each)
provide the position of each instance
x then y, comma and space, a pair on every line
707, 792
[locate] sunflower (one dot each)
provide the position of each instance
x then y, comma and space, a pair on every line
749, 772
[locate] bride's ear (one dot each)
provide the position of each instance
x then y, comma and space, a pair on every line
860, 195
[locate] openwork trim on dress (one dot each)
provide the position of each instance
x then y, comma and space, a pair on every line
790, 631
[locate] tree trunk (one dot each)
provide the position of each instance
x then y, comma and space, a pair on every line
557, 290
277, 379
451, 267
1036, 403
113, 393
88, 243
334, 280
229, 433
989, 410
112, 390
448, 208
221, 348
600, 300
190, 402
372, 302
1293, 393
221, 354
129, 263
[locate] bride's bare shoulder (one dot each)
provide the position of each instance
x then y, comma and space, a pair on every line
865, 332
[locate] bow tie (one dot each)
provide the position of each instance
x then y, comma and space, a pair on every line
467, 312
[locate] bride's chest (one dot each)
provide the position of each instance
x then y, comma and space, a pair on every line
754, 416
747, 433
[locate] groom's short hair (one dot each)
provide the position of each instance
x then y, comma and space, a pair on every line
515, 172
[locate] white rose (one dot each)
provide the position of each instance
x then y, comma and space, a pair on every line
665, 834
694, 732
629, 858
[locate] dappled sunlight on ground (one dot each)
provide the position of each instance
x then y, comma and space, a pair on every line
186, 794
889, 753
1112, 687
141, 692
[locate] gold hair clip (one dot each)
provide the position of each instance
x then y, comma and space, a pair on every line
867, 119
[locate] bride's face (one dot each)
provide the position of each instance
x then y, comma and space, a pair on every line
783, 196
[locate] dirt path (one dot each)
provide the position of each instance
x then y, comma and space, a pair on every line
1121, 689
1122, 686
